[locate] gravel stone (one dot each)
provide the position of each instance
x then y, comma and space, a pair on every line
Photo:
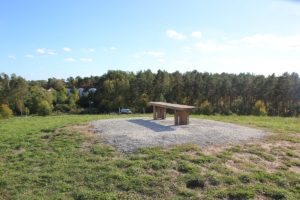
130, 134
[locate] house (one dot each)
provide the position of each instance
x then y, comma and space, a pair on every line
82, 91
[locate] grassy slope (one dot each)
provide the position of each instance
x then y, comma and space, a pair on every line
40, 159
275, 124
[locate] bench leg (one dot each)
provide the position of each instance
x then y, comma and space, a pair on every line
181, 117
176, 117
184, 118
159, 112
164, 113
154, 113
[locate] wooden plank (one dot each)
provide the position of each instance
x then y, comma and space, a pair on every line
171, 105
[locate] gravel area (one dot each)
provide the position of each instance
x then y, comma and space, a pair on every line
127, 135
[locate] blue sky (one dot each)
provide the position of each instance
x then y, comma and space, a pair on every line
62, 38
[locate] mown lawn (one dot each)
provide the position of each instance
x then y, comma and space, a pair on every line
43, 158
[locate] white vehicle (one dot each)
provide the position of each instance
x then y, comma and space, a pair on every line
125, 111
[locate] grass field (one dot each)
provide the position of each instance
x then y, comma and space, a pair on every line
47, 158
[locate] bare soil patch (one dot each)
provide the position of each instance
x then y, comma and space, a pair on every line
85, 129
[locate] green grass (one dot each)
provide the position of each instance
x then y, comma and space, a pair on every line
274, 124
40, 159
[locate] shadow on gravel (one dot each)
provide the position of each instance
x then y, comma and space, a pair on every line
151, 125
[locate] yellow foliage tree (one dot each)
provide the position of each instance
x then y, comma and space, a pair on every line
5, 111
259, 108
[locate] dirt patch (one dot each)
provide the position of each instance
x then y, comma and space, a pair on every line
85, 146
235, 166
278, 149
295, 169
85, 129
19, 151
260, 197
215, 149
230, 164
250, 159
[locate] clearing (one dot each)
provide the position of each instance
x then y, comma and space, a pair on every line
128, 135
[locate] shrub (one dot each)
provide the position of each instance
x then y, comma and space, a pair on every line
226, 111
293, 110
205, 108
186, 167
245, 179
27, 111
62, 107
237, 106
273, 192
241, 193
197, 182
214, 180
259, 108
5, 111
44, 108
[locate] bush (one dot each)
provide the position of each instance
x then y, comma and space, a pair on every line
214, 180
274, 193
259, 108
27, 111
293, 110
5, 111
205, 108
237, 106
245, 179
44, 108
271, 111
186, 167
226, 111
62, 107
198, 182
241, 193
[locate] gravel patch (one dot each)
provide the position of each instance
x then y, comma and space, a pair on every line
127, 135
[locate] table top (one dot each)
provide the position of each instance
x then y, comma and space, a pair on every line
171, 105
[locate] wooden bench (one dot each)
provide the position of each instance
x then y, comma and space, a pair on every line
181, 112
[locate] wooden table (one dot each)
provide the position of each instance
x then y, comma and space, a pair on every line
181, 112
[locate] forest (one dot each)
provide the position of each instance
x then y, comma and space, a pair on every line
211, 93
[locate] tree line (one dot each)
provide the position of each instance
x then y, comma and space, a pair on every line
224, 93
